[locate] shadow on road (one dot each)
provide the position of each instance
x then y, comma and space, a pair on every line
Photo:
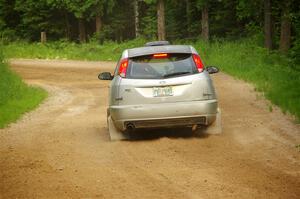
153, 134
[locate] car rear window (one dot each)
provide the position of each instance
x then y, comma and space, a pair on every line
159, 66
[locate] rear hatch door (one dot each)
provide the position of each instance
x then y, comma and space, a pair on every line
164, 78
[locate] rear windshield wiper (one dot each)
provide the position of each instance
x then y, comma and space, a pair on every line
175, 74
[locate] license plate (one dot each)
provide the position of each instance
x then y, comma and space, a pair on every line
162, 91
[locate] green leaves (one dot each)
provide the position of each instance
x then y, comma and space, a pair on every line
150, 1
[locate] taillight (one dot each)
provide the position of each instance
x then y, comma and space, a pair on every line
123, 67
160, 55
198, 63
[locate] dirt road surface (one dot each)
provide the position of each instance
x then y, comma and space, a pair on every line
62, 149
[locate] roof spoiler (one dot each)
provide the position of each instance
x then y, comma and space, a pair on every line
157, 43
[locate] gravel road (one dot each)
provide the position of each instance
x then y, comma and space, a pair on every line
62, 149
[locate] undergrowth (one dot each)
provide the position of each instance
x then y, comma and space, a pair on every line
276, 76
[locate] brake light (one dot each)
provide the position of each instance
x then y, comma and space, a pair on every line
160, 55
123, 67
198, 62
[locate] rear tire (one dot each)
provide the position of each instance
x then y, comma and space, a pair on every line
114, 133
216, 127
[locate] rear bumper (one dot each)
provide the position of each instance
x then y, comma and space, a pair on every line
165, 114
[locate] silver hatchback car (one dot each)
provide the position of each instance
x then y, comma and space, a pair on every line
161, 85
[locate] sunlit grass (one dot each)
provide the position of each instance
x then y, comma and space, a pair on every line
16, 97
271, 73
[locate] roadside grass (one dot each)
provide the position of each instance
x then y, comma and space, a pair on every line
92, 51
275, 75
16, 97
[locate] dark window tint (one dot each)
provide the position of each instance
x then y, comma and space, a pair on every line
166, 66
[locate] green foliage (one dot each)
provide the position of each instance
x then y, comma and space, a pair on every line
249, 9
1, 54
34, 16
83, 9
8, 35
295, 51
80, 9
16, 98
149, 23
269, 72
151, 2
201, 3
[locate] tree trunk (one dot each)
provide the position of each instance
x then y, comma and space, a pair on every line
81, 28
161, 20
285, 32
136, 15
268, 24
98, 24
204, 23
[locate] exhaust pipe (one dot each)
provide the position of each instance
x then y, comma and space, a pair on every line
130, 126
194, 127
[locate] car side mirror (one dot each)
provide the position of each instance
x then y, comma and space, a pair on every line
212, 69
105, 76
